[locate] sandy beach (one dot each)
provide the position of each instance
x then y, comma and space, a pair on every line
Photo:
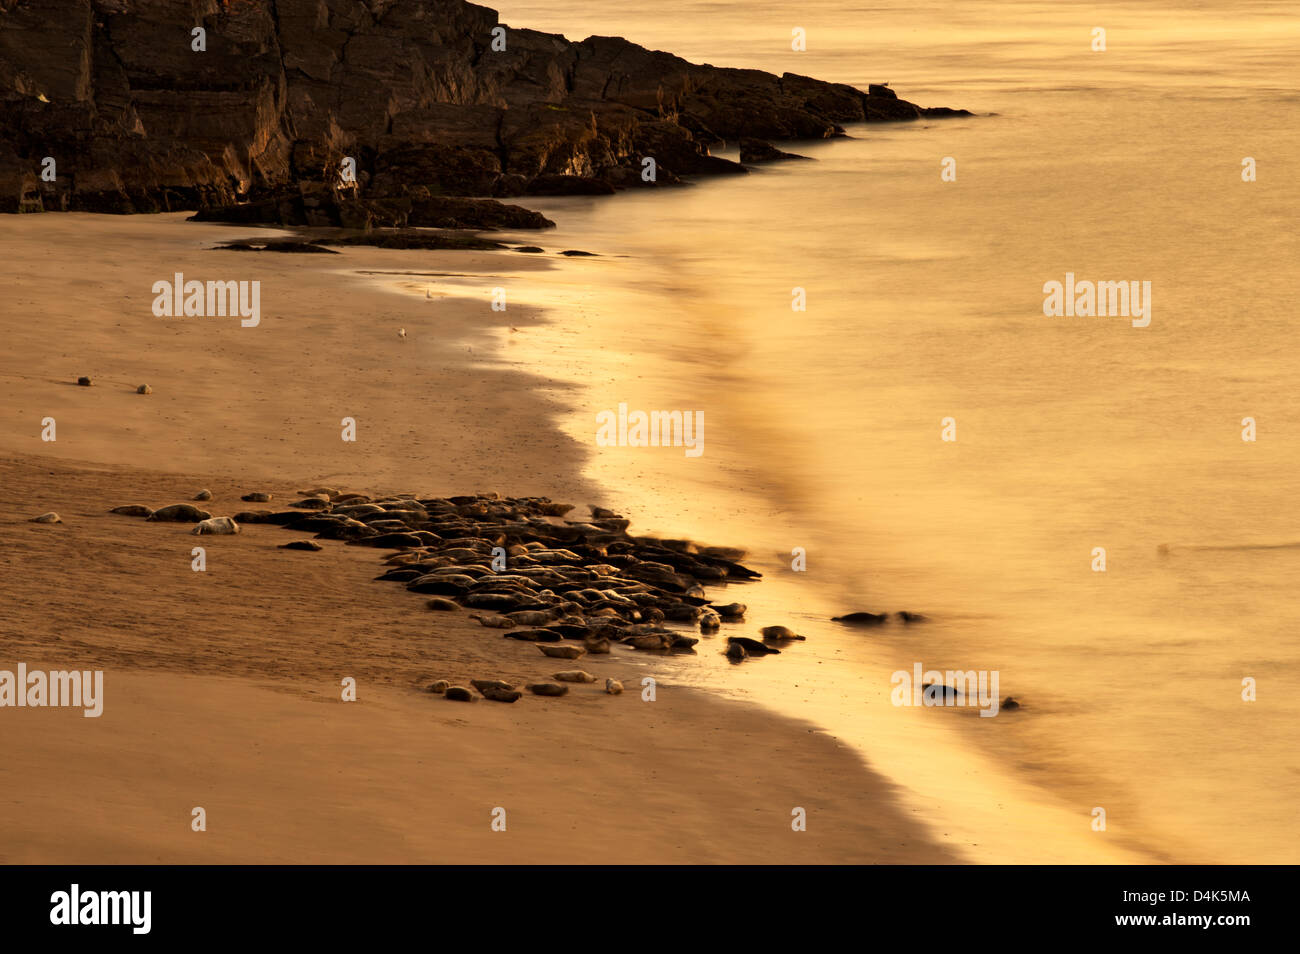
222, 688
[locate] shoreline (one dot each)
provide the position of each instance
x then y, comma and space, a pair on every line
294, 619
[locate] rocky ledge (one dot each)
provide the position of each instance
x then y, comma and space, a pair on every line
362, 113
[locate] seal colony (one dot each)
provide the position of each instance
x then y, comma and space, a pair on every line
573, 587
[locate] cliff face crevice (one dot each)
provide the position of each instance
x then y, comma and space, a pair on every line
418, 93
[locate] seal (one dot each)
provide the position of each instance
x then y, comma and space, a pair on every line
492, 620
530, 617
779, 633
144, 389
613, 687
861, 619
132, 510
736, 652
84, 381
546, 689
439, 687
203, 495
562, 652
180, 513
216, 525
50, 517
459, 694
596, 645
1010, 703
443, 604
501, 695
301, 545
905, 617
752, 647
650, 641
482, 685
731, 612
574, 675
535, 635
256, 497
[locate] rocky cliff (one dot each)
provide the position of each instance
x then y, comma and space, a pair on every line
154, 105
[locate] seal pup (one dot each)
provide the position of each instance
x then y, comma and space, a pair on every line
50, 517
562, 652
860, 619
613, 687
780, 633
203, 495
574, 675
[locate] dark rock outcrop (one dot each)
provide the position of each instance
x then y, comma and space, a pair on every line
364, 113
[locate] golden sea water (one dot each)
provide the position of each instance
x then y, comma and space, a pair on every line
924, 302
